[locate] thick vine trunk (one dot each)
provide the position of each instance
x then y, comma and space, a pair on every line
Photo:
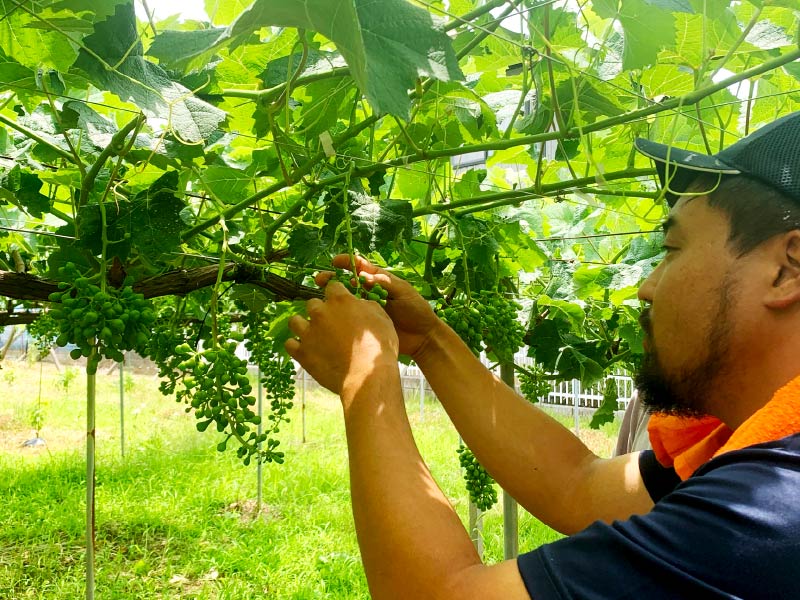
21, 286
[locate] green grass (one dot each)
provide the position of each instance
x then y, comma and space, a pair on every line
175, 518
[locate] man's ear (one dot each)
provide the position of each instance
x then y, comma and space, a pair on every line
785, 289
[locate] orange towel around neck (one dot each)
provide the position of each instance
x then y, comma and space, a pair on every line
687, 443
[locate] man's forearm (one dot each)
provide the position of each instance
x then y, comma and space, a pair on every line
540, 462
411, 539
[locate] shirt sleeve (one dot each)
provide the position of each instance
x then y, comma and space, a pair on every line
730, 533
658, 479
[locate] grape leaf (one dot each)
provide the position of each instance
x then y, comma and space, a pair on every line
14, 75
113, 58
575, 363
155, 223
99, 129
544, 343
279, 328
31, 46
387, 44
224, 12
647, 27
610, 404
227, 184
766, 35
90, 229
376, 225
280, 69
255, 298
306, 243
592, 102
22, 188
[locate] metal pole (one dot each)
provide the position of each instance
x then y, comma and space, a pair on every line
122, 408
303, 404
259, 466
476, 528
91, 423
510, 511
576, 401
421, 394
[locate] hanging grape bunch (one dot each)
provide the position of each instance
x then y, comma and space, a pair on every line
465, 320
277, 377
533, 385
375, 293
488, 321
214, 383
480, 484
503, 333
44, 331
111, 320
167, 335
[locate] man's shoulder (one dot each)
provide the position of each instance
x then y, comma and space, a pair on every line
732, 530
780, 457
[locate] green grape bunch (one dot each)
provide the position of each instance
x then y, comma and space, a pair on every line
44, 331
277, 377
485, 322
465, 321
91, 316
356, 287
479, 483
533, 385
165, 337
213, 382
503, 333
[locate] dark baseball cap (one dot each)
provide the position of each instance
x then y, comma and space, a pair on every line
770, 155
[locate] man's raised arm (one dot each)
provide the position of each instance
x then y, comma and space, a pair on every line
547, 469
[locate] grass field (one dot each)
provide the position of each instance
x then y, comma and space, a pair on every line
175, 518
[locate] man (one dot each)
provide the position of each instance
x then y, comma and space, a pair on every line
723, 339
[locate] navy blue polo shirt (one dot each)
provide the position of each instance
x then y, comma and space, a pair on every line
732, 530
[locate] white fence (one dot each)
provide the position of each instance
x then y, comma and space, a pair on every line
567, 394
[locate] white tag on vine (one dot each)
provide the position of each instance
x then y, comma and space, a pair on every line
327, 144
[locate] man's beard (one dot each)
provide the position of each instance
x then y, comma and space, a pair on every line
686, 393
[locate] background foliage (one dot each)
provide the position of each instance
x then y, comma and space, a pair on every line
214, 166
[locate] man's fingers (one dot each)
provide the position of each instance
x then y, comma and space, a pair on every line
314, 305
292, 347
323, 277
298, 325
334, 289
384, 279
342, 261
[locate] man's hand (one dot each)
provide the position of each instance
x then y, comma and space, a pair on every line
344, 339
413, 318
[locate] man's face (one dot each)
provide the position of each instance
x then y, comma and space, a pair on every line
690, 327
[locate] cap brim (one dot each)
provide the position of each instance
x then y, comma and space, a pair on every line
685, 166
